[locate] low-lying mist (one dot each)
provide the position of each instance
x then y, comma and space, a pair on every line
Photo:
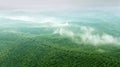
82, 28
88, 35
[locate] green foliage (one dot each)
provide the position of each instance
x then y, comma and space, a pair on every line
54, 51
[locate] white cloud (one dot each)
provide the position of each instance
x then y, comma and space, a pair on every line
64, 32
87, 36
43, 21
21, 18
53, 22
90, 37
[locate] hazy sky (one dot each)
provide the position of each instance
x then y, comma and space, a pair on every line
58, 4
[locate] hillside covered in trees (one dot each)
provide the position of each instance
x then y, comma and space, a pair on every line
83, 39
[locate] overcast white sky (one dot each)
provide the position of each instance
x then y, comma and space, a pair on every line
58, 4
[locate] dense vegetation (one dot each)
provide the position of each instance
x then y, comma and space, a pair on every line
54, 51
